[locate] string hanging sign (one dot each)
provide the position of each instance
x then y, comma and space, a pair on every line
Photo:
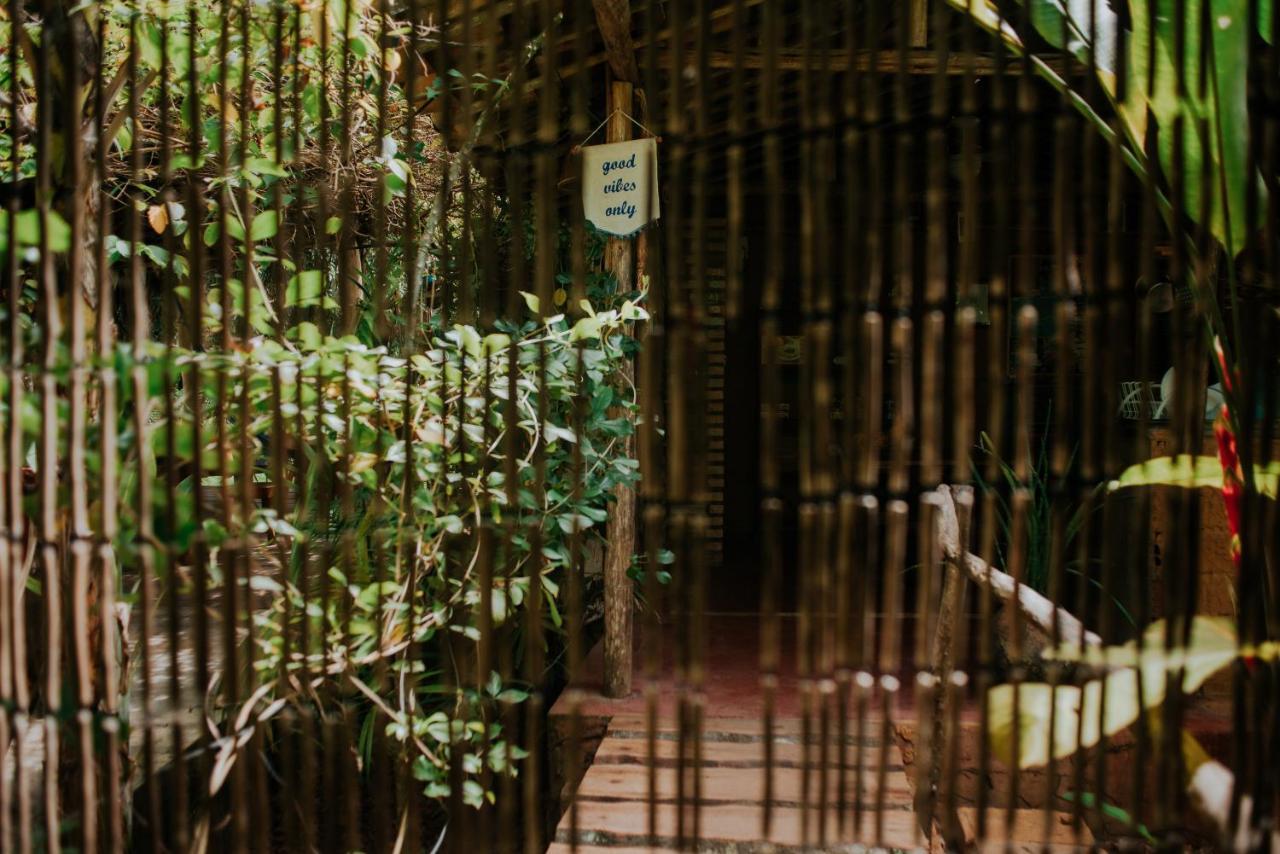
620, 185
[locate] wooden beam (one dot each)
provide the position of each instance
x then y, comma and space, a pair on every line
923, 62
613, 18
721, 22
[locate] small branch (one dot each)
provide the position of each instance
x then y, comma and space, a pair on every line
1035, 607
117, 121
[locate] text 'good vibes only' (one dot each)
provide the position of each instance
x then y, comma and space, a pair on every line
621, 184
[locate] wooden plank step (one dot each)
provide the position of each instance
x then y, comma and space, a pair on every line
722, 785
1028, 831
628, 824
635, 751
736, 729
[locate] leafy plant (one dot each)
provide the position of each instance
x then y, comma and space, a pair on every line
1113, 812
1038, 519
1180, 120
292, 159
1020, 715
1164, 94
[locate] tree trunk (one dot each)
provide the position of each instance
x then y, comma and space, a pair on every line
621, 531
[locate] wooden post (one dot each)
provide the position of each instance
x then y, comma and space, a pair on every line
621, 530
919, 23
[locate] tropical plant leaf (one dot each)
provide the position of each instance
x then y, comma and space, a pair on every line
1209, 117
1069, 25
1066, 718
1191, 472
987, 13
1215, 125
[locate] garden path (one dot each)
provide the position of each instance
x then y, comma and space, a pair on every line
864, 798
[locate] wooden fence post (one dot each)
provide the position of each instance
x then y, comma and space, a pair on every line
621, 530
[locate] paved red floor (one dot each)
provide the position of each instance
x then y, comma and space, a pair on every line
732, 681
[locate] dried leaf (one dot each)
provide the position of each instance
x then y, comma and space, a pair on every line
158, 217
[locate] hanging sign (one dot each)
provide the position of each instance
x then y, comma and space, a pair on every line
620, 185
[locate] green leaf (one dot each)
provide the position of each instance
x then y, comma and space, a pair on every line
235, 228
568, 520
359, 46
513, 695
1224, 111
631, 311
586, 328
469, 339
117, 249
156, 254
496, 343
149, 45
182, 160
1111, 811
1067, 25
264, 226
124, 137
27, 230
304, 289
308, 336
1183, 470
555, 432
265, 166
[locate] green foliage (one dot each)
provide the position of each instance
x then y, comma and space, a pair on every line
1207, 116
1038, 519
394, 440
27, 230
418, 445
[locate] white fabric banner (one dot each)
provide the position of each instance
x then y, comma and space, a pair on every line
620, 185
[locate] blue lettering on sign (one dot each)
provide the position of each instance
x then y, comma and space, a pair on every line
611, 165
620, 186
626, 209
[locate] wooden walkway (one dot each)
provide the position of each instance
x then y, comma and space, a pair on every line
865, 798
613, 813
